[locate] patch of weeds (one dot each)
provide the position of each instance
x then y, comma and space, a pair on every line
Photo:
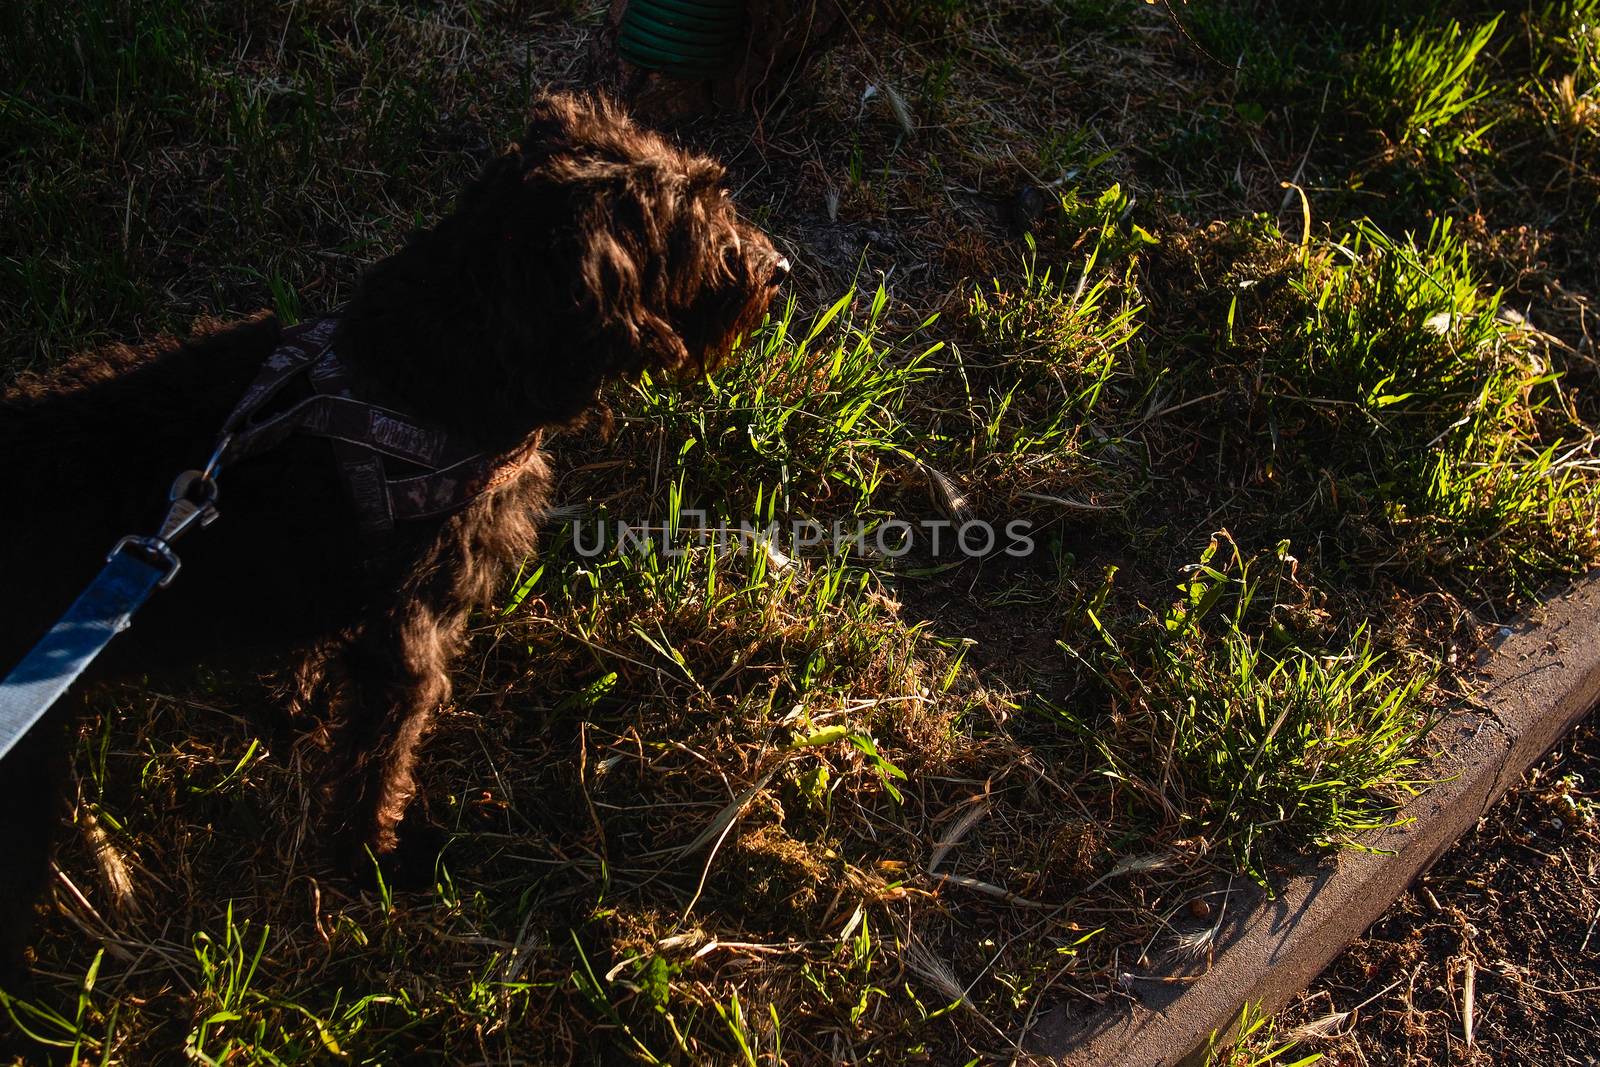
89, 1029
1059, 348
1250, 720
1422, 86
224, 155
772, 701
1436, 410
1268, 59
99, 54
1196, 144
1103, 223
671, 620
1573, 113
1565, 80
1046, 352
1565, 31
596, 991
818, 416
227, 972
1067, 154
1050, 333
1252, 1041
237, 1015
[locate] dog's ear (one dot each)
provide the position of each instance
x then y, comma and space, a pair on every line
619, 291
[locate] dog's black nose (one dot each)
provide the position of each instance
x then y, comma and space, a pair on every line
780, 271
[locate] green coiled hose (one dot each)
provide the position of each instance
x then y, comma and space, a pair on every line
684, 38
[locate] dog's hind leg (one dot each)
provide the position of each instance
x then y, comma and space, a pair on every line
400, 674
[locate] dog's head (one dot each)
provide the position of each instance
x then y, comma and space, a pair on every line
606, 250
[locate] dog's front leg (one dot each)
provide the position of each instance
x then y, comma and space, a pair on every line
33, 779
400, 672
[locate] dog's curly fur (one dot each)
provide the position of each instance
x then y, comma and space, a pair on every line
590, 251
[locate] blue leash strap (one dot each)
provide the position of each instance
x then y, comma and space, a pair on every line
135, 568
100, 613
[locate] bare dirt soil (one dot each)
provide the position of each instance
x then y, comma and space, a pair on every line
1509, 913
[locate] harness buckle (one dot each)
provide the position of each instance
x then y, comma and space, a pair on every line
154, 549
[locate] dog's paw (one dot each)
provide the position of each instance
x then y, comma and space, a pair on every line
16, 979
412, 863
18, 986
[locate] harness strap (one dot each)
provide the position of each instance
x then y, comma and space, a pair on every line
362, 434
297, 347
434, 494
343, 419
363, 474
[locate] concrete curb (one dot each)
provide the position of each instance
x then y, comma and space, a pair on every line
1534, 685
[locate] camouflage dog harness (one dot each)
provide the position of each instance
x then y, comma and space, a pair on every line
444, 474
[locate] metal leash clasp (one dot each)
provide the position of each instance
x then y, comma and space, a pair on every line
192, 501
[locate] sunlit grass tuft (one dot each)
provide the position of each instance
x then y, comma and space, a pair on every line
1438, 411
1423, 80
1029, 401
1254, 723
821, 415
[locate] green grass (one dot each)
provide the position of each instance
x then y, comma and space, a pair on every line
1253, 1041
1431, 412
810, 415
1266, 727
1422, 83
1049, 354
194, 156
758, 803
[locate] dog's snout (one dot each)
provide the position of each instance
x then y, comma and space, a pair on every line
780, 270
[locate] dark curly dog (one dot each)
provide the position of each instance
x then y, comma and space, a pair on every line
590, 252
